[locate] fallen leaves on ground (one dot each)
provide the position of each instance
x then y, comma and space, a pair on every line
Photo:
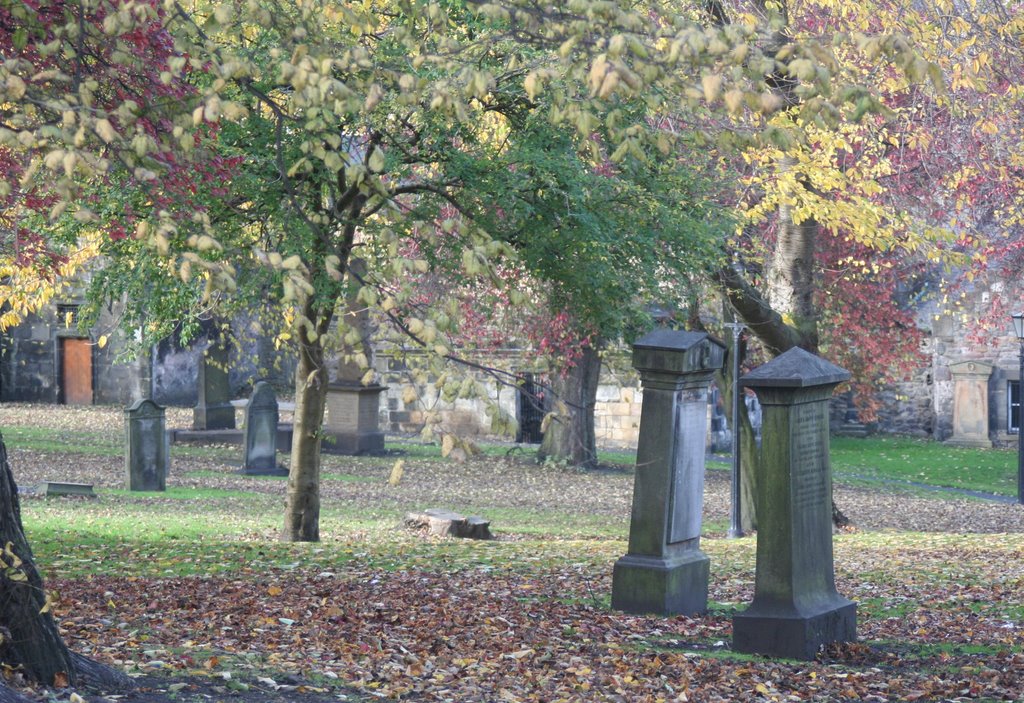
478, 634
940, 609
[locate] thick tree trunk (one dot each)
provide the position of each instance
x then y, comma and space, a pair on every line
302, 514
791, 280
569, 435
31, 641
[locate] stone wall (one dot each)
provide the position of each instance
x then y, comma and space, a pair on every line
923, 405
617, 413
28, 370
30, 362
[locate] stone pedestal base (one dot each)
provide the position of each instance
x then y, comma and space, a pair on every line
275, 470
213, 417
353, 424
784, 633
352, 443
670, 586
979, 442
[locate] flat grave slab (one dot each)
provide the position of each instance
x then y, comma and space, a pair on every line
58, 488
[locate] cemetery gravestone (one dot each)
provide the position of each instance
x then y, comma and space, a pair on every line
214, 410
664, 571
796, 607
352, 423
261, 418
970, 404
146, 458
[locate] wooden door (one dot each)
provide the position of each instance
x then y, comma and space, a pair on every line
76, 371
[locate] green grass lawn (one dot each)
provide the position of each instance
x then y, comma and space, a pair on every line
854, 460
927, 462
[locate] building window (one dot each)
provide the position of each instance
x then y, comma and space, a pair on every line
67, 315
1013, 409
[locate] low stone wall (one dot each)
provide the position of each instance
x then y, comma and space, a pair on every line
617, 412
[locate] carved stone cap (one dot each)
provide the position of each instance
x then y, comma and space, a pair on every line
971, 368
144, 408
677, 352
795, 368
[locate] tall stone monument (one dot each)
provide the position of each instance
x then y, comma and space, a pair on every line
261, 418
796, 607
352, 422
970, 404
664, 570
146, 454
214, 410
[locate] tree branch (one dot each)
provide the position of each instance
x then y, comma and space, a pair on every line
764, 322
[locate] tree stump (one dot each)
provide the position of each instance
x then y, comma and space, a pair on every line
446, 523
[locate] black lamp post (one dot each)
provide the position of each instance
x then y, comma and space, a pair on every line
735, 522
1018, 329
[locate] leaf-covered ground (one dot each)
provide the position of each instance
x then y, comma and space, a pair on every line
191, 591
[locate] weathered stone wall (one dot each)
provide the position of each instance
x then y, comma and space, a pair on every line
464, 417
952, 345
30, 363
619, 401
923, 405
617, 412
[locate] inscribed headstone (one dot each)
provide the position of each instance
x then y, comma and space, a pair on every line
664, 571
146, 455
214, 410
261, 418
796, 607
970, 404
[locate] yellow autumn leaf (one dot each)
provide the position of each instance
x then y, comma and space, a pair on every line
376, 160
396, 472
712, 86
734, 100
105, 130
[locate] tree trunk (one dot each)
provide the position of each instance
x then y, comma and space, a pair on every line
302, 514
569, 435
30, 638
749, 451
750, 454
790, 276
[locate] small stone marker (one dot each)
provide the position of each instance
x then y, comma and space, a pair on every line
146, 458
260, 449
664, 571
214, 410
796, 608
57, 488
446, 523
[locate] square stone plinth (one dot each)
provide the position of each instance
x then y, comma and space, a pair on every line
793, 635
352, 443
663, 586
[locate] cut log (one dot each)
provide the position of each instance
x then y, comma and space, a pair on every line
446, 523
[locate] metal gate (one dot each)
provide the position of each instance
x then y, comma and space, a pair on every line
532, 406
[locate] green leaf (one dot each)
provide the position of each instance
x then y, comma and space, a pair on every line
20, 38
